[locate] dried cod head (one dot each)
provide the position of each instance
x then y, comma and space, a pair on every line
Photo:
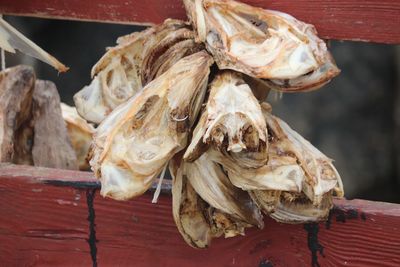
137, 59
133, 144
263, 44
212, 184
80, 133
198, 222
294, 165
232, 120
320, 176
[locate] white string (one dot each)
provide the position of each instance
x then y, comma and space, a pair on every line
158, 189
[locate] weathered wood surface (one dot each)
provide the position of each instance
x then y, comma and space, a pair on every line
51, 145
55, 217
372, 20
16, 88
42, 225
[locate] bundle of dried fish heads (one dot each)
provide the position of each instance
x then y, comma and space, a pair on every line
231, 160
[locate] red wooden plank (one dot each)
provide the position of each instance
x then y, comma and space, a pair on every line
359, 233
40, 224
369, 20
143, 233
44, 221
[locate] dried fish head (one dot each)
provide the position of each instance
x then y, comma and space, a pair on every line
293, 165
198, 222
80, 132
320, 175
212, 184
135, 61
188, 210
232, 120
262, 43
134, 143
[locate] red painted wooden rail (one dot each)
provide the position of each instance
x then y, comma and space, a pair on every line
55, 217
360, 20
52, 217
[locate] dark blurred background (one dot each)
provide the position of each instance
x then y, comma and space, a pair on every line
355, 119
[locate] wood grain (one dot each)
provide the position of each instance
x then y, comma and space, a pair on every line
16, 88
369, 20
51, 145
42, 225
56, 217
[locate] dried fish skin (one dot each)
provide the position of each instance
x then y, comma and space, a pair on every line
294, 208
302, 210
133, 144
125, 69
320, 175
308, 82
197, 222
232, 120
263, 44
225, 224
266, 200
177, 51
80, 133
212, 184
280, 174
188, 211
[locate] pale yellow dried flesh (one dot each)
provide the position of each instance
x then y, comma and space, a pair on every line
138, 138
264, 44
136, 60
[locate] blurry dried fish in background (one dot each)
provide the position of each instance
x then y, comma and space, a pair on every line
264, 44
134, 62
136, 141
80, 133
